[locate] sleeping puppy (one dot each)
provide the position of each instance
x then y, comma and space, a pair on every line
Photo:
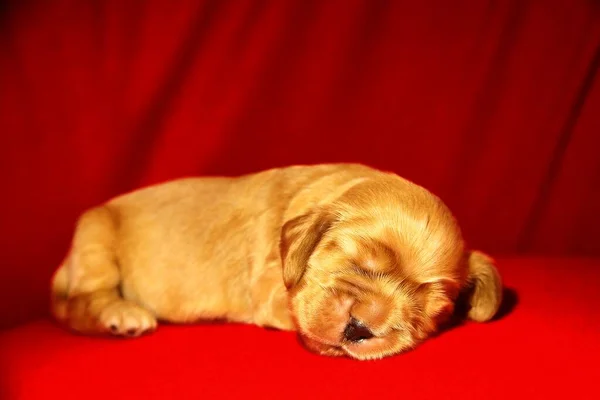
360, 262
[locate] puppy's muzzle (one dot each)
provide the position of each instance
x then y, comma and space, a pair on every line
356, 332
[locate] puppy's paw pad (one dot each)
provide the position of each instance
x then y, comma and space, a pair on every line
127, 319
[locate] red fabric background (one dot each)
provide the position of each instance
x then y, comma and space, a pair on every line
493, 105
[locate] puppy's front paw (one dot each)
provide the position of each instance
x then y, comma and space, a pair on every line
123, 318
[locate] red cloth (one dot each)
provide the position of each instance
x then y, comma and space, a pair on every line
491, 105
547, 347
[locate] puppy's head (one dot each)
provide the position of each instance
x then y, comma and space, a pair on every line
375, 272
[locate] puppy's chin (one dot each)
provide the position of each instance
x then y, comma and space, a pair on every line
379, 347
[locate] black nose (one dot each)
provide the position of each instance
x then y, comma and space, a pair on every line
356, 332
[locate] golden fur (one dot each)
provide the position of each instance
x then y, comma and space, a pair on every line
304, 248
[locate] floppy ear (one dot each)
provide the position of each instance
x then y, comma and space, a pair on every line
299, 237
485, 286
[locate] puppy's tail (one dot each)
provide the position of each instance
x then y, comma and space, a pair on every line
485, 287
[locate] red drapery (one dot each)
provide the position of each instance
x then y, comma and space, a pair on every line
493, 105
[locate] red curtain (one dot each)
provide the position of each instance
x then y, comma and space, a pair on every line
493, 105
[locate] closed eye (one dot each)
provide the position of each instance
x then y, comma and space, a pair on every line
367, 272
352, 286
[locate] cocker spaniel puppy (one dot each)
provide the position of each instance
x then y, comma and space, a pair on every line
359, 262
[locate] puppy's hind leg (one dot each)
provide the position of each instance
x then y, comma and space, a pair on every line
85, 289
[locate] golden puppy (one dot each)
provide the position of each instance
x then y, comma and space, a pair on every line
360, 262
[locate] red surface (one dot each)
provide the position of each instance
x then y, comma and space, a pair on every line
547, 347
